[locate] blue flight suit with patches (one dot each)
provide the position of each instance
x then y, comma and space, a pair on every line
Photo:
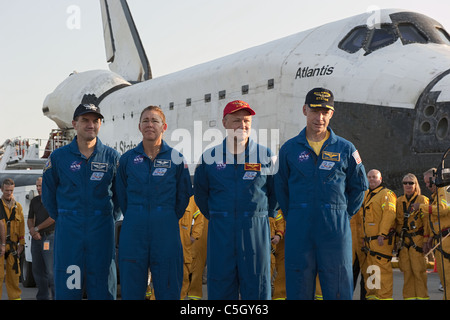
318, 195
237, 196
79, 194
153, 195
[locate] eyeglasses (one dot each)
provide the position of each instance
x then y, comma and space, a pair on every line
408, 182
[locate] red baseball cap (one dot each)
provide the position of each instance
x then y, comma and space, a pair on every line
236, 105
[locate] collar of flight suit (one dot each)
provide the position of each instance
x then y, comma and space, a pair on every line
140, 148
301, 138
251, 146
73, 147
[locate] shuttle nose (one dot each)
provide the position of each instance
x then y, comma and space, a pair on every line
432, 123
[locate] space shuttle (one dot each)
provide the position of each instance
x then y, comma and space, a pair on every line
389, 71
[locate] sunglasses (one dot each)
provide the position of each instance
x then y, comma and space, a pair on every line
408, 182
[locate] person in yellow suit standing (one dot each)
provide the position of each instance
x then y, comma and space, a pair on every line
199, 249
191, 227
378, 216
359, 257
411, 228
12, 212
438, 228
277, 230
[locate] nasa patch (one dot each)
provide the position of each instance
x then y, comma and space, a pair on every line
303, 156
221, 166
75, 166
138, 159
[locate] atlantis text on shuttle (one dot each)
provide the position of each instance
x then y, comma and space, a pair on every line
307, 72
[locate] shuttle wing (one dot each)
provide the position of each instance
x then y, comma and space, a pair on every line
124, 50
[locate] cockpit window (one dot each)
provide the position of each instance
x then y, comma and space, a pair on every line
411, 34
410, 27
381, 37
354, 40
444, 35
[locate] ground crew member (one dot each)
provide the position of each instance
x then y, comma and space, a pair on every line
2, 236
199, 249
320, 184
359, 257
233, 186
191, 228
410, 227
42, 231
78, 193
378, 216
277, 230
154, 187
438, 205
12, 213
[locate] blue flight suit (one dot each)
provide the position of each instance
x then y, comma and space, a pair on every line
79, 194
237, 196
318, 195
153, 195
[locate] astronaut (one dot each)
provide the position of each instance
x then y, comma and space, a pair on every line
234, 190
78, 192
153, 187
319, 185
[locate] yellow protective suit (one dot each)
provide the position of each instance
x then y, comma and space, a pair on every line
378, 219
17, 236
278, 227
191, 228
411, 228
439, 204
198, 264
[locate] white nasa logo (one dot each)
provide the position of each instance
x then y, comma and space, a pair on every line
221, 166
138, 159
75, 166
303, 156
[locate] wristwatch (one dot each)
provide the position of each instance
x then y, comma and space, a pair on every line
36, 229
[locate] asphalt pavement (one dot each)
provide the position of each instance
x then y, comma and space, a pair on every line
433, 288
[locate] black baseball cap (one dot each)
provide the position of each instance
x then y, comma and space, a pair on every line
88, 105
320, 98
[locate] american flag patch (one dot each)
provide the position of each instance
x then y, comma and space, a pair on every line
356, 157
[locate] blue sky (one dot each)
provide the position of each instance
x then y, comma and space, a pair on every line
42, 42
